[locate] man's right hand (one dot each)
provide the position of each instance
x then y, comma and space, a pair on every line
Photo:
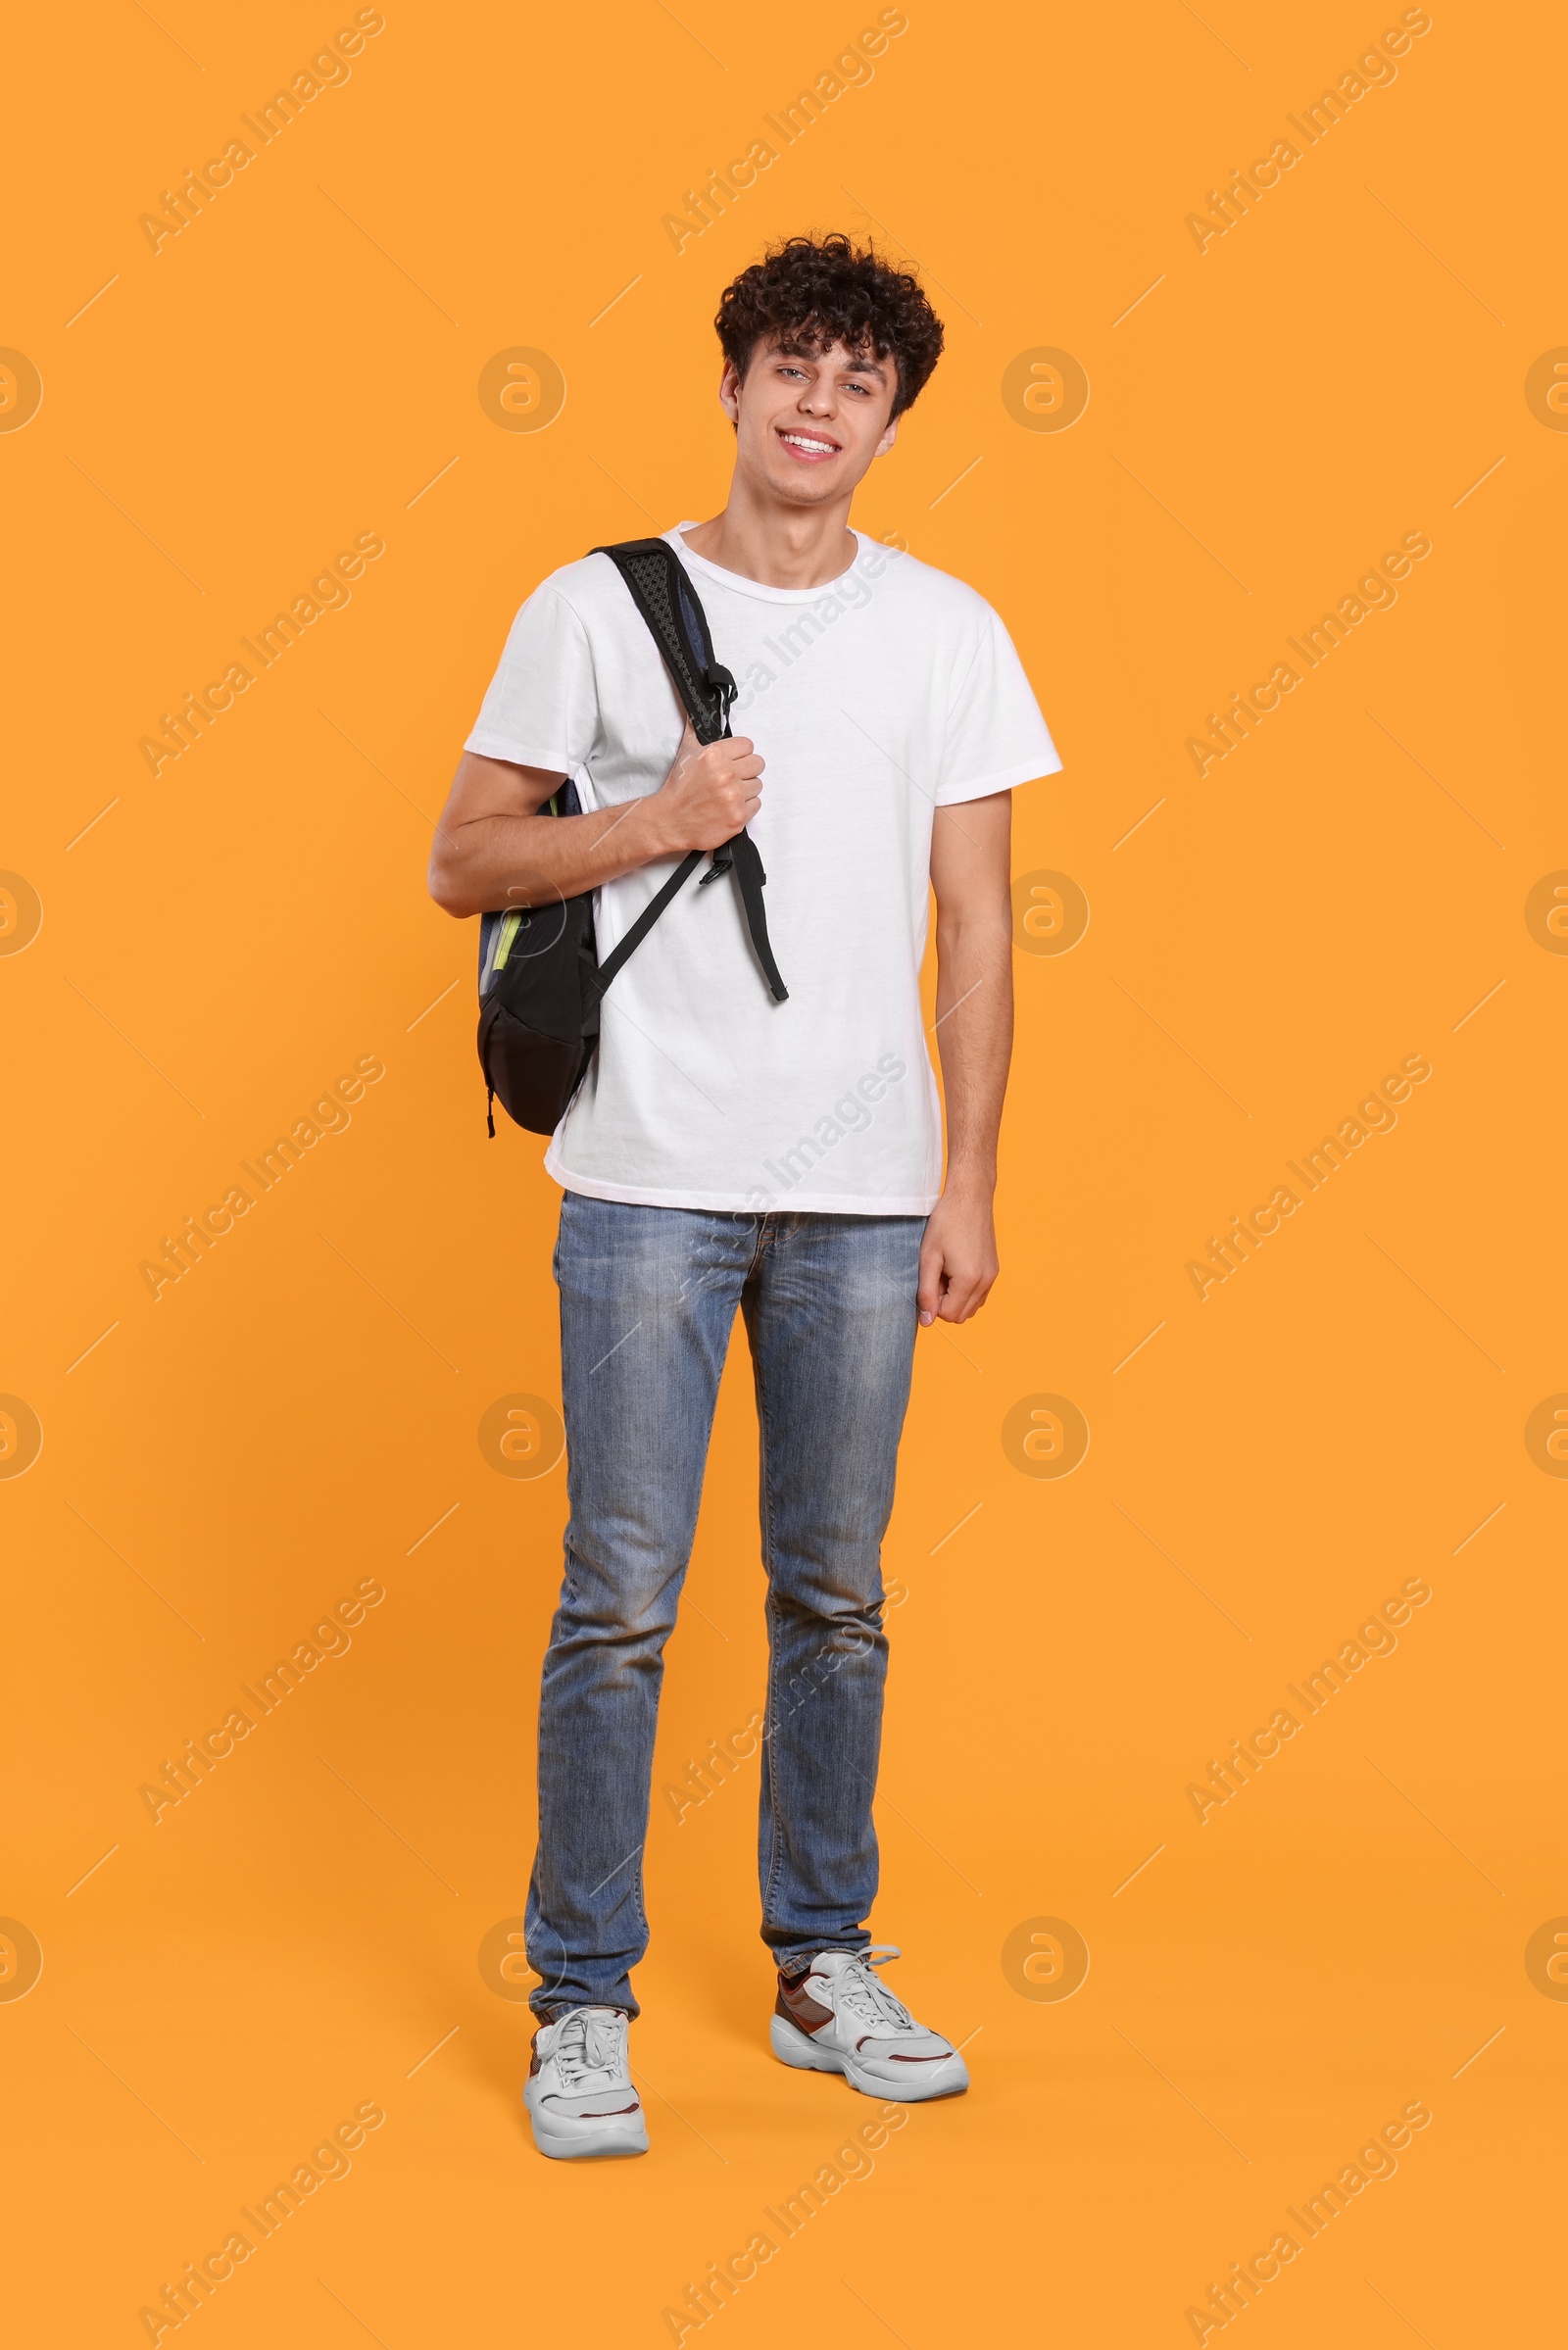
493, 848
712, 792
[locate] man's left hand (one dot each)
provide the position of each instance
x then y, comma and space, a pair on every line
958, 1257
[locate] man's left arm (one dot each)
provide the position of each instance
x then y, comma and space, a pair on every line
971, 877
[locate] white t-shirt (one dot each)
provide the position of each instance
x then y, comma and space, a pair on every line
874, 699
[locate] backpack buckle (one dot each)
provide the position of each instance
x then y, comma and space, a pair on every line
720, 681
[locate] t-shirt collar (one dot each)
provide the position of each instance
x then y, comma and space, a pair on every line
738, 581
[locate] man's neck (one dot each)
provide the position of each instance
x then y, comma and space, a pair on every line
778, 545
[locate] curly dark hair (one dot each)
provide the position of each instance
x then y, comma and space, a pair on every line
813, 292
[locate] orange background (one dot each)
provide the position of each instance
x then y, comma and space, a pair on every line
218, 1467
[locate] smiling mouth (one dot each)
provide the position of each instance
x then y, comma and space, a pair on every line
810, 448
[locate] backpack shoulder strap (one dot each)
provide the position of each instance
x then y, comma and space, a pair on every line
662, 590
663, 594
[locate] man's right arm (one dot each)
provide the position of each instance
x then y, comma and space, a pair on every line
494, 848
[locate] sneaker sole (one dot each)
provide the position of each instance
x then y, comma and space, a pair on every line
614, 2141
796, 2048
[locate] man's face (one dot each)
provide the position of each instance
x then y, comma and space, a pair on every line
808, 426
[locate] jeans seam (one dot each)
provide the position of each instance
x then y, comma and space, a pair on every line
637, 1889
775, 1856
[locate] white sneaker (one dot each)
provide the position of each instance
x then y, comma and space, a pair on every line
840, 2018
579, 2090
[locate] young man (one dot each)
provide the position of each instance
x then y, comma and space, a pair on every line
726, 1151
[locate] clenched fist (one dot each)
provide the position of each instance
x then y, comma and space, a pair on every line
712, 792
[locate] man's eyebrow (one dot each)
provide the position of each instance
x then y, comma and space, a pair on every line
851, 366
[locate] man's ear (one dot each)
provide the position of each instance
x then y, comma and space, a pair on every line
887, 440
729, 392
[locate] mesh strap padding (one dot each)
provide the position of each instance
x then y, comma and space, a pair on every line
663, 596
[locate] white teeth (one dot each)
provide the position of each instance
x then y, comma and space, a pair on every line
800, 441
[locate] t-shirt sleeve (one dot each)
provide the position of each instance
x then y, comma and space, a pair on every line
541, 710
996, 736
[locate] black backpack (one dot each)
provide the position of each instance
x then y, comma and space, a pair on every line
540, 978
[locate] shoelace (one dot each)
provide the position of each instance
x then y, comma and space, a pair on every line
589, 2041
867, 1997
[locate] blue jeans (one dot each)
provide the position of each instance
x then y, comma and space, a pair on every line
648, 1300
